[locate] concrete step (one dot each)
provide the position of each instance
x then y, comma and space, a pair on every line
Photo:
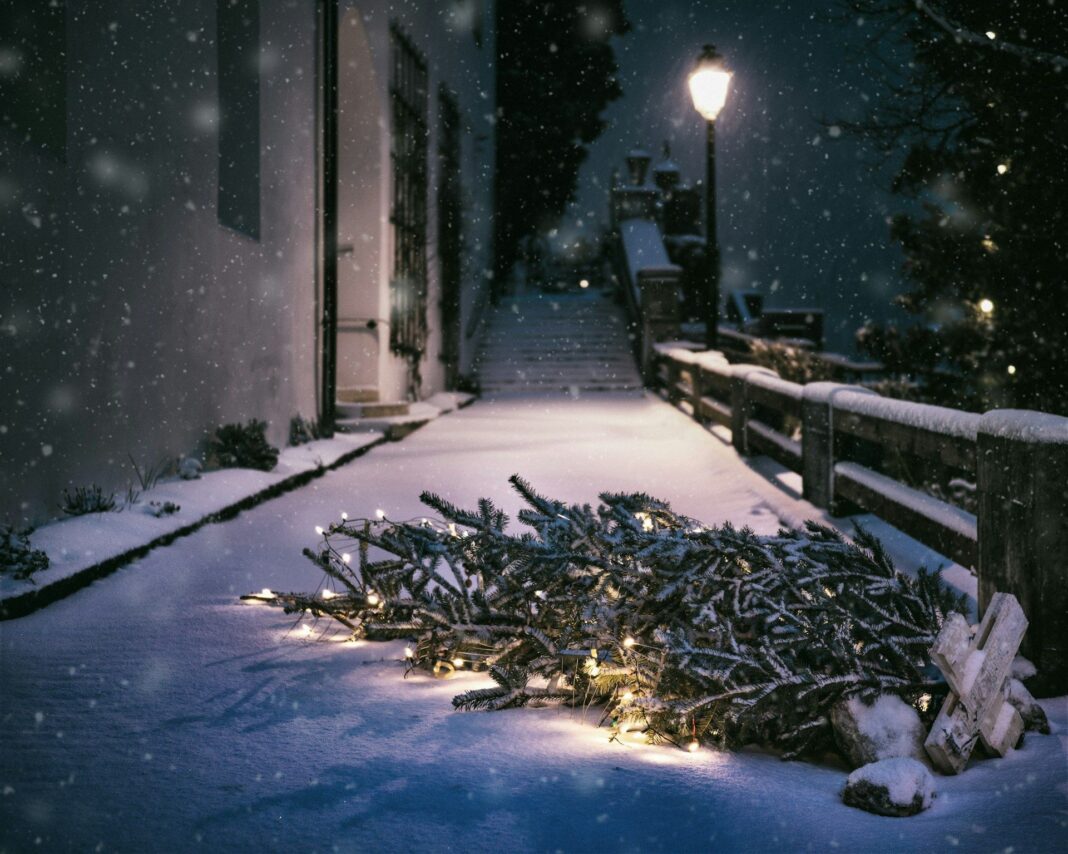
394, 427
357, 394
372, 410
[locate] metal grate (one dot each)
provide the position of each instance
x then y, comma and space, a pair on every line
408, 95
450, 231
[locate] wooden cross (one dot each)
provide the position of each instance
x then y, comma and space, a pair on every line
977, 670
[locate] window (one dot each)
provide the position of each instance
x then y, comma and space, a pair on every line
238, 39
409, 102
450, 235
33, 72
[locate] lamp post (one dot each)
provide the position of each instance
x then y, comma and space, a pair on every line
709, 82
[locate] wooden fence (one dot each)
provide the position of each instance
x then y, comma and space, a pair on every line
856, 450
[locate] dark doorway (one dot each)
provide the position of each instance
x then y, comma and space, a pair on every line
450, 232
327, 209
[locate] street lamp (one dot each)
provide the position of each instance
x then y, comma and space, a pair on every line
709, 82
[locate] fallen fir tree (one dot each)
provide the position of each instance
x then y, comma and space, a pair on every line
688, 633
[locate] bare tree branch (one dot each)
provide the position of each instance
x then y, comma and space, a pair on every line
965, 36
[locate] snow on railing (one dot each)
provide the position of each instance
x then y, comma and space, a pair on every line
856, 450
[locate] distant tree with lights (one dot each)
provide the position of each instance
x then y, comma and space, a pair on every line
975, 92
556, 73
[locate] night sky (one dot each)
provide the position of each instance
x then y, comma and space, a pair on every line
802, 212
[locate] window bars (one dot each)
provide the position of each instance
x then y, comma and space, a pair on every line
408, 292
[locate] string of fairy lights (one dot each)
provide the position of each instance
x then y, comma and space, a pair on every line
623, 710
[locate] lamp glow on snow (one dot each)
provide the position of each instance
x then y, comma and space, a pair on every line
709, 82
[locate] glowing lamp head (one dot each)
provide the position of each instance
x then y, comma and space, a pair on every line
319, 530
628, 642
457, 663
693, 746
986, 306
709, 82
372, 598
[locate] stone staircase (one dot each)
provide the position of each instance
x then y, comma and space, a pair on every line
557, 343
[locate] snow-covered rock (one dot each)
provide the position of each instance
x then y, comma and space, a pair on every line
887, 728
190, 468
894, 787
1023, 669
1034, 716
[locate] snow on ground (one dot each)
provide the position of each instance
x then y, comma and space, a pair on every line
154, 712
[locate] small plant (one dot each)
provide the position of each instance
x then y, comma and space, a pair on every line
18, 558
243, 446
304, 430
133, 495
88, 499
162, 508
149, 476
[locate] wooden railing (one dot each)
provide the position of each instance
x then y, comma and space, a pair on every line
852, 448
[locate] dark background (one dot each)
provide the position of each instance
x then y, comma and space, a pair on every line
802, 213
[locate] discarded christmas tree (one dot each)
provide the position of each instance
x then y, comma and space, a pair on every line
685, 632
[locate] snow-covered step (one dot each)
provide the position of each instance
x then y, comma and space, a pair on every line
372, 409
563, 343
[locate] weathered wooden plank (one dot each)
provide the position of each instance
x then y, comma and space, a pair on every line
771, 443
929, 432
713, 410
943, 527
977, 670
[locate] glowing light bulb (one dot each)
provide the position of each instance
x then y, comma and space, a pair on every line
372, 598
457, 663
329, 594
380, 513
990, 34
344, 516
319, 530
693, 746
346, 557
1003, 168
409, 652
266, 593
585, 283
628, 641
1011, 369
986, 306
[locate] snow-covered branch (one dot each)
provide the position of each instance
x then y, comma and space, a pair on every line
966, 36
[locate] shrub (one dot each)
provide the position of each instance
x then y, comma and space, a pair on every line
304, 430
242, 446
88, 499
17, 557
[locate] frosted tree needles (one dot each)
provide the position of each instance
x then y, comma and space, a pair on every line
687, 633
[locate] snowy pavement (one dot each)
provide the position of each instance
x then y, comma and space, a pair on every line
154, 712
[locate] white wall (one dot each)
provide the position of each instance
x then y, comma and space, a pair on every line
133, 322
443, 33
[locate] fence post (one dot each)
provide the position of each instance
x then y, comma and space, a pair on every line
697, 390
1023, 531
658, 307
817, 440
742, 404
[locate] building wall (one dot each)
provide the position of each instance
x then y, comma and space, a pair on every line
445, 33
132, 322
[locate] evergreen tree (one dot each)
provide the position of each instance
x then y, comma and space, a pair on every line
556, 72
975, 92
684, 632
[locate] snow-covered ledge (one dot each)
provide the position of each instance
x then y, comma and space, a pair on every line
84, 548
